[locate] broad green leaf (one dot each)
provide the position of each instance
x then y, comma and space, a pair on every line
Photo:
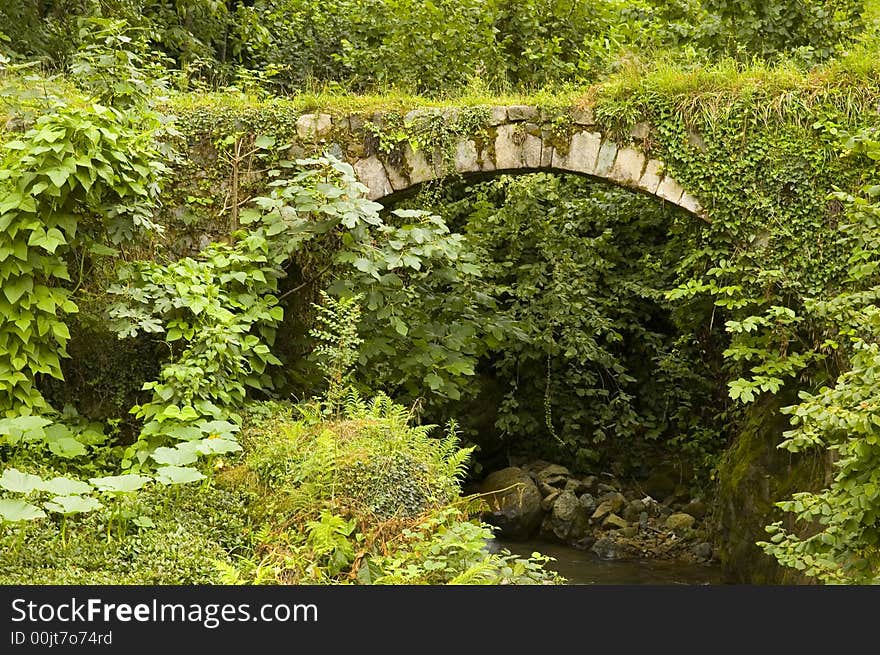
183, 432
120, 483
72, 504
264, 141
20, 483
144, 522
178, 475
173, 456
67, 447
14, 510
221, 428
216, 446
66, 487
15, 288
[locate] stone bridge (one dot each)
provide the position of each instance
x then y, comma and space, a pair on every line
483, 141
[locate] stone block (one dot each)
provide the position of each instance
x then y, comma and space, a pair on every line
650, 179
523, 113
605, 161
371, 172
583, 117
691, 204
487, 163
640, 131
508, 148
546, 156
670, 190
466, 156
583, 151
311, 127
397, 177
420, 169
497, 115
418, 116
355, 123
532, 149
628, 166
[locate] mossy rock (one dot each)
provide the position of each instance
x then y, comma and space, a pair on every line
753, 476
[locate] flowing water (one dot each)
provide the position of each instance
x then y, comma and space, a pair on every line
583, 567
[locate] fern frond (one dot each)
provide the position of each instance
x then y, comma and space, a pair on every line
481, 573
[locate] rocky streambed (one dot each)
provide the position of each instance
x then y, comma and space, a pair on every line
594, 512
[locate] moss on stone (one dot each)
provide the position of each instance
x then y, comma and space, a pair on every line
754, 475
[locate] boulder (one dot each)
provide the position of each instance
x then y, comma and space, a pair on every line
591, 482
607, 549
577, 487
608, 504
703, 551
659, 484
588, 502
629, 532
569, 519
549, 499
535, 467
614, 522
604, 488
546, 489
553, 470
585, 542
313, 126
634, 509
696, 508
514, 501
680, 522
522, 113
554, 475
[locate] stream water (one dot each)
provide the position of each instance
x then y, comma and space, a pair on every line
583, 567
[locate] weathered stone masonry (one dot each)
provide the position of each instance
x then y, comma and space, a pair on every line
516, 138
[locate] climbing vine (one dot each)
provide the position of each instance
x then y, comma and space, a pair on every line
844, 544
82, 176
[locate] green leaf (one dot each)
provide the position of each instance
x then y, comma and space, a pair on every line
173, 456
103, 251
263, 142
15, 288
14, 510
144, 522
220, 428
178, 475
216, 446
183, 432
20, 483
66, 487
120, 483
67, 447
72, 504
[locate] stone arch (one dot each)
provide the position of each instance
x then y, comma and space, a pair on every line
515, 138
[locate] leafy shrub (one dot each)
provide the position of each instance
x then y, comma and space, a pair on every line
370, 459
177, 537
363, 497
813, 29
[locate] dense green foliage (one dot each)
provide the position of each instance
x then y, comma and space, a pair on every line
594, 358
558, 316
363, 497
842, 416
78, 506
444, 44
